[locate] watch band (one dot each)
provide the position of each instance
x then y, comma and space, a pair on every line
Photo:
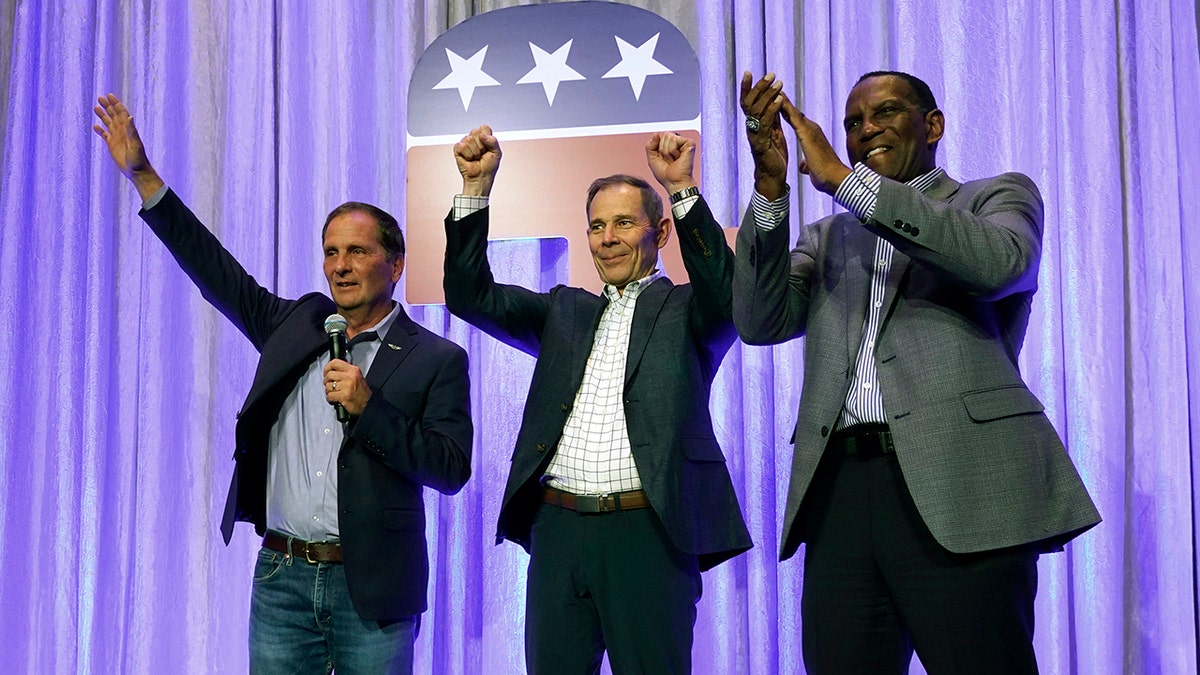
683, 194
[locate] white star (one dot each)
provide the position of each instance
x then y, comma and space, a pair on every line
465, 75
551, 69
637, 63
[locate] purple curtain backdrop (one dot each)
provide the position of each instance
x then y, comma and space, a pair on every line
120, 384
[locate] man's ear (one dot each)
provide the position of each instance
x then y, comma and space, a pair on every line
397, 268
664, 232
935, 122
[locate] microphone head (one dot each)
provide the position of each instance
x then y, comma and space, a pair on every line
335, 323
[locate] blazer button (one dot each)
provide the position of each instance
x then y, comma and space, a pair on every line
907, 227
541, 447
898, 224
824, 432
915, 231
566, 408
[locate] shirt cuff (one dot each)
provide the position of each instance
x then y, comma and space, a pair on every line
767, 213
465, 205
154, 198
680, 208
859, 192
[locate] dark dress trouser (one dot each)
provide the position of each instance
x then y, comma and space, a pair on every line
608, 581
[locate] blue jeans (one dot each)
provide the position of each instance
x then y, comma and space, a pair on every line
302, 621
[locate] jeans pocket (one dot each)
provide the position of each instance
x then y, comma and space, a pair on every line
268, 564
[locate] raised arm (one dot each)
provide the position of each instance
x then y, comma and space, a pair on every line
770, 287
220, 277
511, 314
706, 255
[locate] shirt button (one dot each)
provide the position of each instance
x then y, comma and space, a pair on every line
320, 473
315, 518
866, 385
879, 304
327, 432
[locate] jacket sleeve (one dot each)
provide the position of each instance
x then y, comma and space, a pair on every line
772, 287
511, 314
222, 280
991, 246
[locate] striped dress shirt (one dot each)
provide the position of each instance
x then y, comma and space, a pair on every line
857, 194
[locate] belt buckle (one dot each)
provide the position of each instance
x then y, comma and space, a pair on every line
588, 503
308, 553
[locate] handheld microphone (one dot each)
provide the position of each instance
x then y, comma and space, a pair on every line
335, 328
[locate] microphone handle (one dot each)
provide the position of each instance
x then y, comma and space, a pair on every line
337, 350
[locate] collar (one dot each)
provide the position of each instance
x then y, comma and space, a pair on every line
384, 325
633, 288
925, 181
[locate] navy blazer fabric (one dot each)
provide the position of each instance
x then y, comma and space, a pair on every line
678, 338
415, 430
979, 456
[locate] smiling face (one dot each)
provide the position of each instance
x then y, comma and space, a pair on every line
360, 272
888, 131
623, 240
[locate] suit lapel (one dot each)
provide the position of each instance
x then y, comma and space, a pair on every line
400, 341
645, 313
587, 319
282, 361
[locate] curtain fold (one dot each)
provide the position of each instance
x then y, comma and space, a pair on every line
121, 384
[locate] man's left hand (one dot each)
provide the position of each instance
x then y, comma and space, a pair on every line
345, 384
819, 160
671, 158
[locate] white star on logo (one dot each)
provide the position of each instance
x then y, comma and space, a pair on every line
637, 63
551, 69
465, 75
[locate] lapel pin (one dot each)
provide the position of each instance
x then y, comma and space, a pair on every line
396, 347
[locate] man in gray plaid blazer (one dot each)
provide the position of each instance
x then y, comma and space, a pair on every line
926, 477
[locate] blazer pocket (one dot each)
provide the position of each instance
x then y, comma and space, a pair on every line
403, 519
993, 404
702, 449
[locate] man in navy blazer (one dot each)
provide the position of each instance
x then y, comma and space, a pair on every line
926, 477
341, 578
617, 487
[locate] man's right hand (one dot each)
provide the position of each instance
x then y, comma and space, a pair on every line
118, 131
478, 159
768, 148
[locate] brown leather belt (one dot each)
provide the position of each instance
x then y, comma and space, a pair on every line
311, 551
863, 441
617, 501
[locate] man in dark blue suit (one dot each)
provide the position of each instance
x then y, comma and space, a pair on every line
341, 578
617, 488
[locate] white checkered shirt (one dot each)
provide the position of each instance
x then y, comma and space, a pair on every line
593, 455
